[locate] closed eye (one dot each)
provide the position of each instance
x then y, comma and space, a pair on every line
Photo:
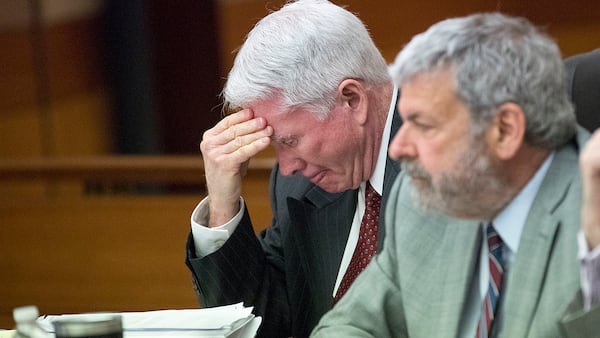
288, 141
422, 126
418, 122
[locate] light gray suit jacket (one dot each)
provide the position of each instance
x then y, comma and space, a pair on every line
419, 284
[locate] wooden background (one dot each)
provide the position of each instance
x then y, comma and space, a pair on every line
70, 251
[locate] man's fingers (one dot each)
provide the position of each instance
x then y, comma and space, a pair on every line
245, 151
233, 141
229, 156
232, 120
256, 139
239, 132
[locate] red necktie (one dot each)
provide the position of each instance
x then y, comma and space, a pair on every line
490, 302
367, 241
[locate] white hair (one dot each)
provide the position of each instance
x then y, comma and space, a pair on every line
302, 52
496, 59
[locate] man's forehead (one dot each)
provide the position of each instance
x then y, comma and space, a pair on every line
268, 108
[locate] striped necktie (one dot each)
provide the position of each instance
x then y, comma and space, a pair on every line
490, 302
367, 241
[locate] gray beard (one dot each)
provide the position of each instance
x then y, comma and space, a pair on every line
474, 188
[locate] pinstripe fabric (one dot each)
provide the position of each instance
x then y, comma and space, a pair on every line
496, 273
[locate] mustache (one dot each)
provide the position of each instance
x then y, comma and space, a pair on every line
413, 169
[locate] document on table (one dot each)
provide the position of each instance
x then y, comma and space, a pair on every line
235, 321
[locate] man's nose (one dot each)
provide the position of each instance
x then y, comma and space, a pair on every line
288, 164
401, 145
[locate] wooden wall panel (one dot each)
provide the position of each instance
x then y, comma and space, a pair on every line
96, 254
20, 132
105, 253
576, 24
78, 125
17, 80
54, 97
72, 55
76, 56
83, 124
73, 238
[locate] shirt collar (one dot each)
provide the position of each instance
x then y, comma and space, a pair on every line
510, 221
378, 174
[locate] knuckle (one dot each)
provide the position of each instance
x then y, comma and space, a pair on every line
205, 136
238, 141
231, 133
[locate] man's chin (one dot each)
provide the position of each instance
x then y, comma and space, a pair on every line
423, 185
427, 201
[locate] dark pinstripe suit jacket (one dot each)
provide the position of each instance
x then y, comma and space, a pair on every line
288, 273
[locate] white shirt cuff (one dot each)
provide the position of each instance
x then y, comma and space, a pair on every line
208, 240
590, 272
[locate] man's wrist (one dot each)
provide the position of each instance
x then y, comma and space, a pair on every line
221, 214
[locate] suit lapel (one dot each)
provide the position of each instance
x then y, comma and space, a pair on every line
438, 259
462, 241
320, 226
527, 275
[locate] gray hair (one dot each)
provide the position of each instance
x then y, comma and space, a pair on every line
302, 52
497, 59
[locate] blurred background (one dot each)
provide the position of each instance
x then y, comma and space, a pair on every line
89, 78
143, 77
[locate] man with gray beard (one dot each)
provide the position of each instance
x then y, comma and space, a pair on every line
498, 241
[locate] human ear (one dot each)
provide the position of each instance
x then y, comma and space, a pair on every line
353, 96
507, 132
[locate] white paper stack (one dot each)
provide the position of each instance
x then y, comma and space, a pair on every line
233, 321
